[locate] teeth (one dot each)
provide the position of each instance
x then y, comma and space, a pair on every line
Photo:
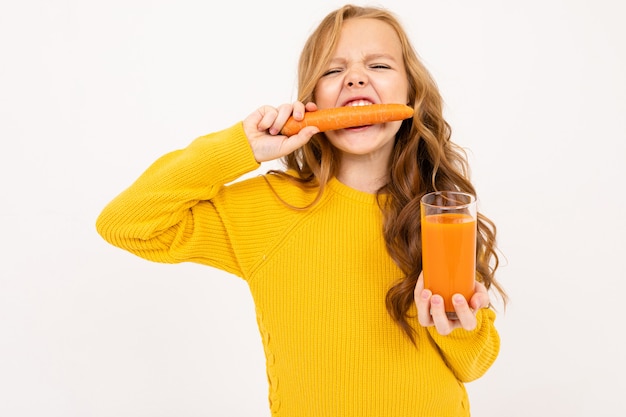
359, 103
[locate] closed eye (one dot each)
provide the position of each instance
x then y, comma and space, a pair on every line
331, 71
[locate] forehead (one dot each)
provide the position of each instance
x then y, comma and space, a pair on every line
369, 33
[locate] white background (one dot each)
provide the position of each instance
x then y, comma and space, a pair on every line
92, 92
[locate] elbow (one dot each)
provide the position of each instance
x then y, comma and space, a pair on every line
103, 227
110, 227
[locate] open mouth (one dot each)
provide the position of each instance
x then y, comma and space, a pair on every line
359, 102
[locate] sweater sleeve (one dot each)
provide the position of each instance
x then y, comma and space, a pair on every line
167, 215
469, 354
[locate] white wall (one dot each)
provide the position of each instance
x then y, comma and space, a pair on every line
92, 92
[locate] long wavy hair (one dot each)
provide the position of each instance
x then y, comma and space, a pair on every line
423, 160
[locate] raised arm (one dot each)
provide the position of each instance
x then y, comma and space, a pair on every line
166, 214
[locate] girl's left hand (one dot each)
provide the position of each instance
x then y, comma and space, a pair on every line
431, 312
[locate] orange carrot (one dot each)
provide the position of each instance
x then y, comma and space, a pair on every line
348, 116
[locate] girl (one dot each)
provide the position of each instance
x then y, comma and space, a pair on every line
330, 247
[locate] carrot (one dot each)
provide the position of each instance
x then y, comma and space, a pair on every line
348, 116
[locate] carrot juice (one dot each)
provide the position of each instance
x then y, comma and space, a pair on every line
449, 251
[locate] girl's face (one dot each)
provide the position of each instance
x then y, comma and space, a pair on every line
367, 68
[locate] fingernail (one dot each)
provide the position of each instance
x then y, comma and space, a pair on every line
458, 299
425, 294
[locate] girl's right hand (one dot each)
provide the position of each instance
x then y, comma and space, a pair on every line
263, 130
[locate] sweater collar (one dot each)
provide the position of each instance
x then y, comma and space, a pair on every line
338, 187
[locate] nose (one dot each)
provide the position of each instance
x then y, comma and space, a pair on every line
352, 84
356, 78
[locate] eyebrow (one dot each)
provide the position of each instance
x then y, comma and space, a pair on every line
387, 56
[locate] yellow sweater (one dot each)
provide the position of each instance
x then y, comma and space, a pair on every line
318, 278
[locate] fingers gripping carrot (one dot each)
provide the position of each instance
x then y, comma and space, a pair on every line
349, 116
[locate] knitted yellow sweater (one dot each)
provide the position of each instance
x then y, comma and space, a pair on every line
318, 278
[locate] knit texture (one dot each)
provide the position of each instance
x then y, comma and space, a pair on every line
318, 278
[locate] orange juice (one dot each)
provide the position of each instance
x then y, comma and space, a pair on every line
449, 255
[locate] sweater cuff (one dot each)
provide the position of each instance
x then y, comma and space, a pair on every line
466, 338
229, 149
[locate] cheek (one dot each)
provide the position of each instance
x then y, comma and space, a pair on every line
325, 95
399, 92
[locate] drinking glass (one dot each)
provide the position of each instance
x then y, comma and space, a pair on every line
449, 245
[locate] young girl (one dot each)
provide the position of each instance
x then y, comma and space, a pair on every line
330, 247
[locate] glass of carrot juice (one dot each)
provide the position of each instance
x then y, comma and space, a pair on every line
449, 245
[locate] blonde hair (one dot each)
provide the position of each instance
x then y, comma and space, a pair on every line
423, 160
